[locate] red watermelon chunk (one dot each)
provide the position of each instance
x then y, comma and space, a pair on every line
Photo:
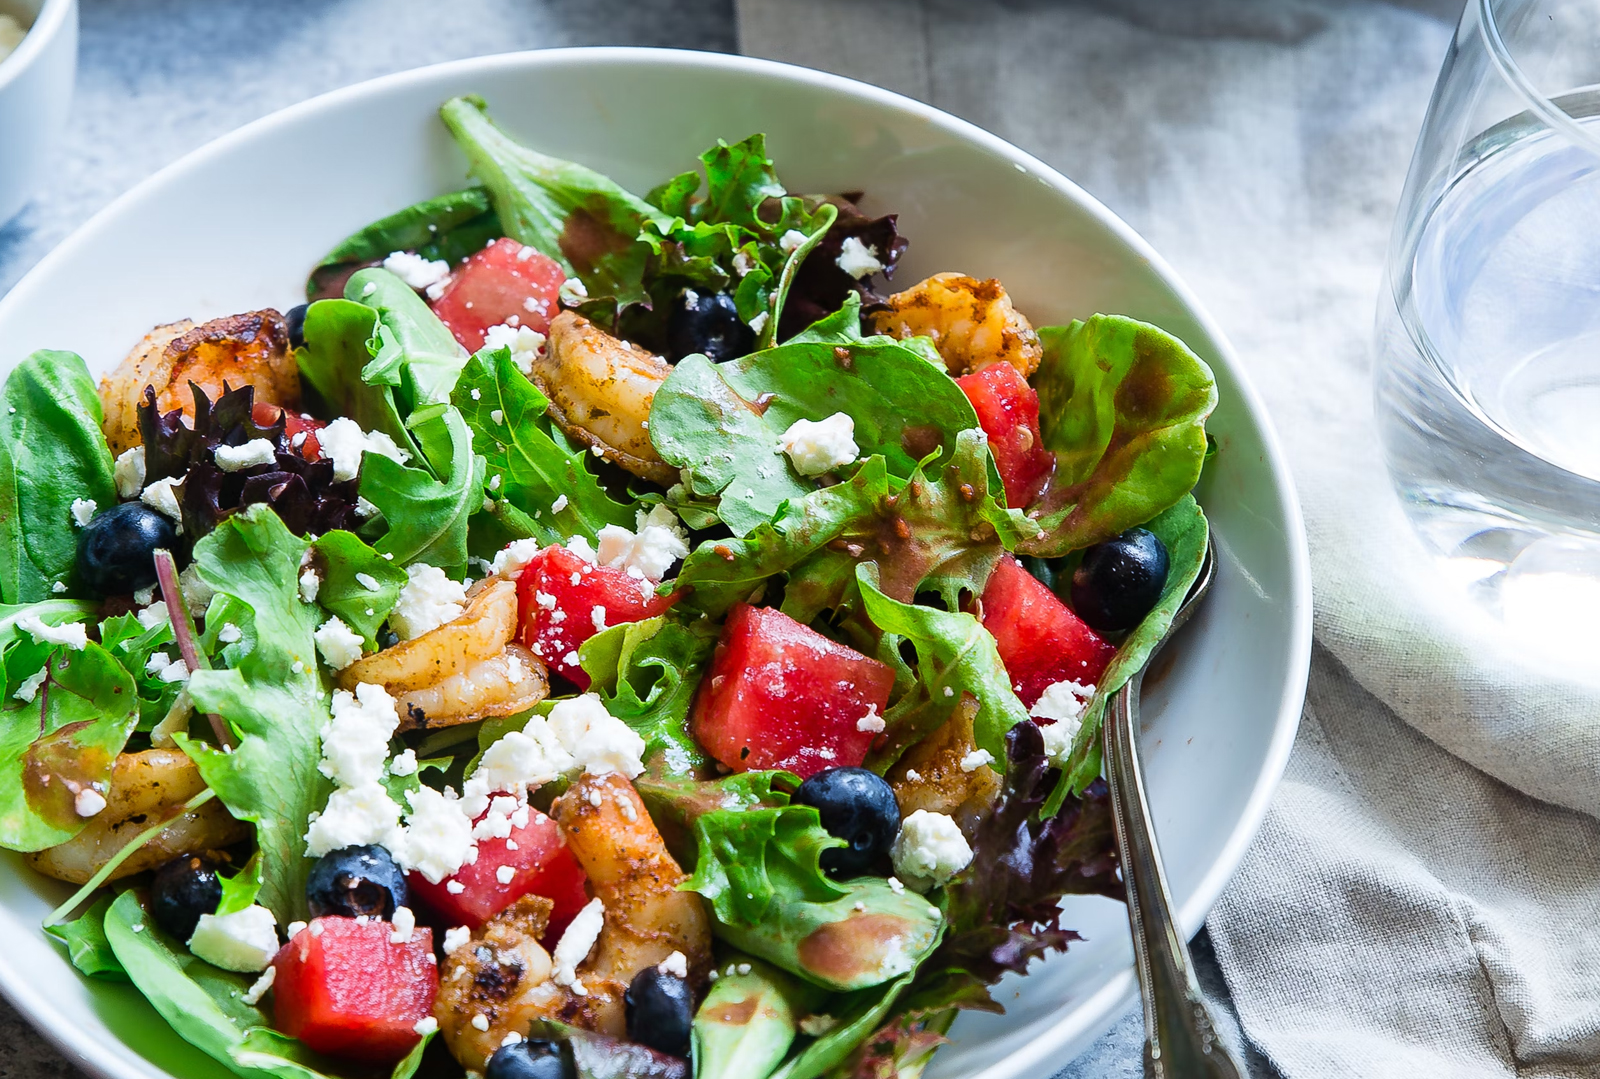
505, 280
540, 862
1008, 412
346, 989
558, 594
1041, 641
265, 414
781, 695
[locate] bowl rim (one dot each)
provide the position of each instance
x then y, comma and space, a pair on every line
44, 28
1093, 1015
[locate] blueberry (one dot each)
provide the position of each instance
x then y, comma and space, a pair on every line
387, 638
1119, 580
353, 881
531, 1058
858, 807
295, 319
707, 323
182, 890
116, 548
660, 1011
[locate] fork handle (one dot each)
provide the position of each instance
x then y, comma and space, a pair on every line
1180, 1038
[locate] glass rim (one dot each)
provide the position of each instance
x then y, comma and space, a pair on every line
1538, 102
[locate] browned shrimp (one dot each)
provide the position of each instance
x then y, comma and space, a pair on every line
143, 787
507, 978
971, 322
930, 775
600, 391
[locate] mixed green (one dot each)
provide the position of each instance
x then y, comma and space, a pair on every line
365, 663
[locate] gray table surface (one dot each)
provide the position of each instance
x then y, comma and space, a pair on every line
158, 78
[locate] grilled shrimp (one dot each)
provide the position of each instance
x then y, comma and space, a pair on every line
505, 976
600, 391
144, 786
466, 669
930, 775
252, 348
971, 322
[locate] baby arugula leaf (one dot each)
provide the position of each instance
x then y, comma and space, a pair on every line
578, 217
448, 227
536, 464
956, 659
341, 559
51, 453
87, 946
132, 645
272, 700
647, 673
1123, 406
858, 1014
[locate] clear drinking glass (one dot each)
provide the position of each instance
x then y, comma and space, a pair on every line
1487, 387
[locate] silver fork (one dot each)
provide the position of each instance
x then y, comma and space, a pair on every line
1180, 1038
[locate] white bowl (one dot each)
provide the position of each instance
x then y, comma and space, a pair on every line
35, 94
1220, 719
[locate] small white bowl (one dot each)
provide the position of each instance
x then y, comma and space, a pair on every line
35, 94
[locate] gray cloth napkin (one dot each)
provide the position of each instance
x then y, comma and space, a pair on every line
1410, 907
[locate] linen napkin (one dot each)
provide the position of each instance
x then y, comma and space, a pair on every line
1414, 905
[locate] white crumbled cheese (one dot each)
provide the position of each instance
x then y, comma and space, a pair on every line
929, 850
976, 759
438, 836
75, 635
83, 511
497, 416
480, 1022
519, 760
872, 721
511, 1038
293, 929
368, 581
598, 741
759, 323
791, 241
258, 451
355, 742
339, 644
405, 924
425, 1026
574, 946
427, 601
343, 442
404, 763
597, 615
515, 673
245, 940
145, 595
28, 689
818, 1025
254, 994
676, 964
494, 484
310, 585
455, 887
572, 292
197, 594
176, 671
456, 939
88, 802
581, 547
511, 560
949, 692
316, 929
559, 504
896, 887
156, 614
504, 874
415, 270
913, 775
858, 259
161, 497
524, 344
59, 586
229, 633
128, 472
354, 816
657, 542
156, 663
1062, 702
369, 289
818, 446
365, 509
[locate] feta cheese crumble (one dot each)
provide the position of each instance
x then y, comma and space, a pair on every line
258, 451
572, 292
929, 850
258, 990
88, 802
425, 1026
438, 836
559, 504
1064, 703
597, 741
161, 497
229, 633
790, 241
343, 442
574, 946
759, 323
310, 585
976, 759
415, 270
128, 472
427, 601
512, 559
404, 923
245, 940
858, 259
28, 689
676, 964
355, 816
404, 763
872, 721
339, 644
83, 511
75, 635
524, 344
818, 446
355, 742
647, 552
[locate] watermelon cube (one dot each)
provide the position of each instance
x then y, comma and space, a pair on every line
1008, 412
564, 600
503, 281
1040, 640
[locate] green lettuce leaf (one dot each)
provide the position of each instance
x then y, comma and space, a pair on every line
578, 217
647, 673
87, 946
339, 557
1123, 406
748, 857
676, 802
426, 517
448, 227
417, 354
859, 1014
340, 338
51, 453
132, 645
272, 700
536, 463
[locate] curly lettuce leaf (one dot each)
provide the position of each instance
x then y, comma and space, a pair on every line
647, 673
819, 286
747, 858
132, 645
51, 453
675, 802
341, 559
534, 460
272, 700
1123, 406
448, 227
578, 217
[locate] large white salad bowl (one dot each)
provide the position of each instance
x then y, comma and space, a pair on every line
236, 225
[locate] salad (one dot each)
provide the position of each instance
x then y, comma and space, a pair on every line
597, 635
